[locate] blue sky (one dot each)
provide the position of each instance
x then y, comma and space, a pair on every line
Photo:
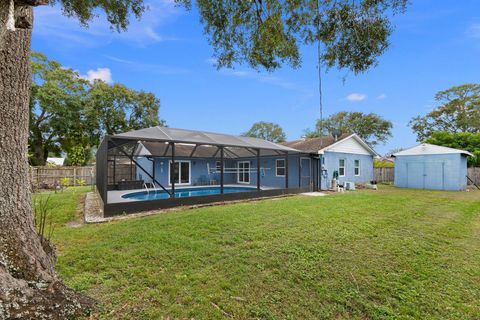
436, 45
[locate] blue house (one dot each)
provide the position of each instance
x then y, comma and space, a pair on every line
348, 157
429, 166
164, 167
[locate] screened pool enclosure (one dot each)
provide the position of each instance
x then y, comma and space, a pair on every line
162, 167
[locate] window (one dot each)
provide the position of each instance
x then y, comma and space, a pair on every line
218, 166
243, 172
181, 172
341, 168
356, 168
280, 168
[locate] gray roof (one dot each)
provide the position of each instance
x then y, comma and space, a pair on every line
164, 134
313, 145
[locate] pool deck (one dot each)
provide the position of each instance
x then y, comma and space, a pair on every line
115, 196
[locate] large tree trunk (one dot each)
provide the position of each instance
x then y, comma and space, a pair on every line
29, 288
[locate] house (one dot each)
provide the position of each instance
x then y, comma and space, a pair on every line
348, 156
55, 161
428, 166
173, 167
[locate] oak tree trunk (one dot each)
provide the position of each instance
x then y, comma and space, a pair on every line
29, 287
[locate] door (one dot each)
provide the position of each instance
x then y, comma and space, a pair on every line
305, 172
181, 173
243, 172
434, 175
415, 175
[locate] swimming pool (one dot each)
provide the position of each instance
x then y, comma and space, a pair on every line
184, 193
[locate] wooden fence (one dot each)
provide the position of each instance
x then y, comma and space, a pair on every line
474, 174
383, 174
387, 174
42, 177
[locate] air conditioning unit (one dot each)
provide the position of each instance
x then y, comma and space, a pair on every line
349, 185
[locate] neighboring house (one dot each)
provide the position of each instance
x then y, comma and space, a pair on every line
429, 166
55, 161
348, 155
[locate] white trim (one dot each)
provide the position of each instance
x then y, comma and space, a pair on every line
356, 137
180, 173
344, 167
238, 172
284, 168
355, 167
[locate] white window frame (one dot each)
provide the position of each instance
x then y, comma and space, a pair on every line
180, 173
238, 172
218, 166
344, 167
277, 167
355, 167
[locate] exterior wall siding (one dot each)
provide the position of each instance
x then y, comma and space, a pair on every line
201, 176
331, 164
433, 171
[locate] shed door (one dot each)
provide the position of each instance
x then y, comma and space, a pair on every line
434, 175
415, 175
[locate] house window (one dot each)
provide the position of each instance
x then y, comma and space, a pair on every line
218, 166
357, 167
341, 167
181, 172
280, 168
243, 172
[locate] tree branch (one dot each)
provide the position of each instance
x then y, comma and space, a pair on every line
32, 3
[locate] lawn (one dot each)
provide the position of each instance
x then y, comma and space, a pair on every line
389, 254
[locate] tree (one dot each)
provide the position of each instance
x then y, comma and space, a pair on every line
266, 130
259, 32
57, 104
372, 128
29, 286
112, 109
68, 114
268, 33
458, 111
462, 140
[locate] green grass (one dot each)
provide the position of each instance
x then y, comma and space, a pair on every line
390, 254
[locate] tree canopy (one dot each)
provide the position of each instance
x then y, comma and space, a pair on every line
69, 114
458, 111
266, 130
462, 140
268, 33
371, 127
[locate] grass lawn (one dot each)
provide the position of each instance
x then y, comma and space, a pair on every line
390, 254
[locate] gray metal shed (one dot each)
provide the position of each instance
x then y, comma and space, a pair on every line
429, 166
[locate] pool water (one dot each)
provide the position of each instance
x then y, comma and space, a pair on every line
184, 193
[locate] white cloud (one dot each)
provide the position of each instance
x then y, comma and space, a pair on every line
52, 26
103, 74
382, 96
356, 97
473, 31
150, 67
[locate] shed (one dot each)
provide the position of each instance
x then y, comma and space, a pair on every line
429, 166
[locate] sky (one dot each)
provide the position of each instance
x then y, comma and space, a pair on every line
435, 45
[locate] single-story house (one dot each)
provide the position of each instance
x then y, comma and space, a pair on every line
182, 167
348, 157
428, 166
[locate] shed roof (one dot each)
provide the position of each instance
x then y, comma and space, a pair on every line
164, 134
426, 148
